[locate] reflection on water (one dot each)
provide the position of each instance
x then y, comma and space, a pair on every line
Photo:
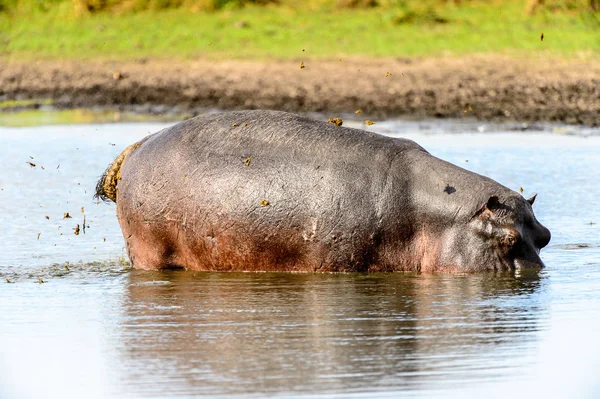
75, 321
252, 333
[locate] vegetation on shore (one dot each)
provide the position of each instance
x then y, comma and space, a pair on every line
293, 29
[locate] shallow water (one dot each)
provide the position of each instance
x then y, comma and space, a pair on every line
94, 328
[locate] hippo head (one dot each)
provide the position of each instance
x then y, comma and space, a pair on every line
502, 234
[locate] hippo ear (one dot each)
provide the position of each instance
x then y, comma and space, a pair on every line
488, 208
532, 199
493, 203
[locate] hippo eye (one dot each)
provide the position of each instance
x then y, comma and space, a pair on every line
510, 240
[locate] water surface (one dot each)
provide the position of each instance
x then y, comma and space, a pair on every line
75, 321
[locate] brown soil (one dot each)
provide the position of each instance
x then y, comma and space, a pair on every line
483, 87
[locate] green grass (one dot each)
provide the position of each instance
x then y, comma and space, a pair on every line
69, 116
281, 32
10, 104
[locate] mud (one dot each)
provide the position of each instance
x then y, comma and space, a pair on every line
491, 88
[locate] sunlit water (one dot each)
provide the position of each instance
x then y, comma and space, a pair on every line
76, 322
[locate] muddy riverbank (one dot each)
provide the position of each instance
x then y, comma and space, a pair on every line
482, 87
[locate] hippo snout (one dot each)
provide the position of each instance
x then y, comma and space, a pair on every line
543, 237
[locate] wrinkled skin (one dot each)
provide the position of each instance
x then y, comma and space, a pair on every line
265, 190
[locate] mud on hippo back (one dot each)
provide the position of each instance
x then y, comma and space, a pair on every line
267, 190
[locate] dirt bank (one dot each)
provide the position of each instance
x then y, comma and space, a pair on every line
484, 87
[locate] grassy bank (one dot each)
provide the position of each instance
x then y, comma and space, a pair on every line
285, 31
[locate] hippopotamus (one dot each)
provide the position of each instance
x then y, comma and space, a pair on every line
273, 191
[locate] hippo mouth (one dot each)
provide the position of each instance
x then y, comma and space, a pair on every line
520, 263
530, 261
528, 264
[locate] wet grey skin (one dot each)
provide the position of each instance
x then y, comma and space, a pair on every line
268, 190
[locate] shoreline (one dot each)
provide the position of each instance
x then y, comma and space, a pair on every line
484, 87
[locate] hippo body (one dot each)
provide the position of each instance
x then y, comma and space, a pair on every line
272, 191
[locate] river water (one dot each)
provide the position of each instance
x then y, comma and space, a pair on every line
75, 321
